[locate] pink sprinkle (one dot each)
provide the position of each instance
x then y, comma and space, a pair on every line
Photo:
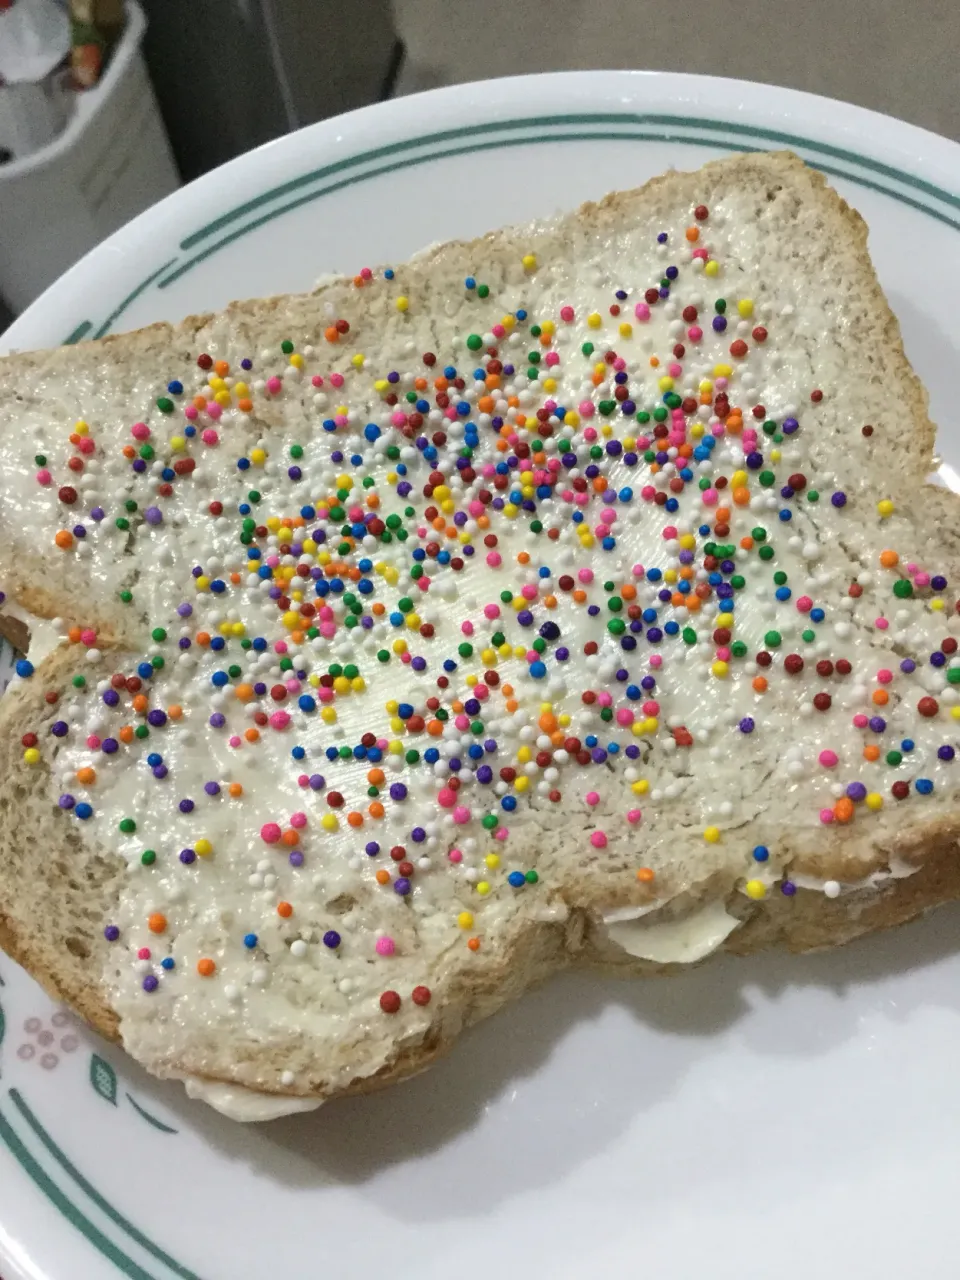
608, 515
270, 833
670, 531
209, 436
625, 716
140, 431
475, 508
604, 699
586, 408
93, 742
466, 627
829, 759
567, 313
911, 567
446, 798
280, 646
44, 476
648, 493
481, 692
585, 575
366, 273
86, 445
529, 591
590, 433
619, 364
717, 429
303, 780
398, 419
860, 721
723, 653
336, 379
694, 333
88, 636
316, 380
651, 708
214, 410
144, 953
634, 815
884, 675
710, 497
826, 816
280, 719
720, 384
592, 797
462, 722
386, 946
656, 660
235, 741
491, 611
638, 571
598, 839
551, 358
501, 833
461, 814
191, 412
921, 580
881, 624
455, 855
298, 820
494, 559
341, 419
675, 370
498, 331
804, 604
641, 311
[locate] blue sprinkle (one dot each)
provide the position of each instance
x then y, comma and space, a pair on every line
250, 941
517, 879
84, 810
761, 853
24, 668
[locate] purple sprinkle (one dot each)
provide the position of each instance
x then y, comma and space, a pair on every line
187, 856
186, 806
296, 858
246, 363
746, 724
719, 323
185, 609
111, 697
908, 665
632, 751
877, 724
153, 515
398, 791
79, 531
788, 888
484, 774
402, 885
372, 848
856, 791
3, 596
418, 664
839, 499
217, 720
66, 801
945, 752
331, 939
259, 688
59, 728
97, 514
151, 982
111, 933
156, 717
110, 745
317, 782
212, 788
790, 425
160, 771
183, 642
418, 835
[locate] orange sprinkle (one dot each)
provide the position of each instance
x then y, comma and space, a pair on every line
355, 819
375, 809
140, 703
508, 690
628, 591
888, 559
871, 753
221, 368
331, 334
383, 877
290, 837
157, 922
284, 909
880, 697
206, 968
435, 728
64, 539
375, 777
512, 705
759, 684
473, 944
693, 603
126, 733
87, 776
692, 234
547, 722
235, 789
645, 875
523, 557
203, 638
245, 405
74, 634
579, 595
550, 602
747, 543
843, 809
252, 735
175, 711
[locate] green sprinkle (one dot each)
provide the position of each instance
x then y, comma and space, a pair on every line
903, 588
808, 635
588, 349
465, 649
689, 635
772, 639
489, 821
296, 451
158, 634
531, 877
412, 756
893, 757
813, 495
779, 577
127, 825
474, 342
766, 478
165, 405
483, 290
141, 731
148, 857
286, 346
126, 596
766, 553
79, 682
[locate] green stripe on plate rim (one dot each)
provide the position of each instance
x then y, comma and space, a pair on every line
75, 1216
667, 123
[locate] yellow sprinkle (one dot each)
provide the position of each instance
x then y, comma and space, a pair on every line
775, 455
258, 457
522, 783
874, 800
341, 685
290, 619
640, 787
571, 418
396, 747
705, 386
492, 860
745, 307
402, 303
177, 443
465, 920
625, 329
687, 541
720, 669
381, 385
725, 620
665, 383
548, 327
81, 427
529, 261
884, 508
524, 755
31, 756
936, 605
595, 320
392, 707
755, 889
696, 430
722, 370
564, 720
203, 582
328, 715
738, 479
711, 835
296, 360
483, 888
712, 268
329, 822
549, 384
357, 360
399, 646
222, 398
203, 847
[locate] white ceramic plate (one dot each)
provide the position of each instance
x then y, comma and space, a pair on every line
776, 1117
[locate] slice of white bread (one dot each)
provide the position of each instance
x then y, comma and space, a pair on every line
781, 774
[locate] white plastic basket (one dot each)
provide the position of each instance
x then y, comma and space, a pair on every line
110, 163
